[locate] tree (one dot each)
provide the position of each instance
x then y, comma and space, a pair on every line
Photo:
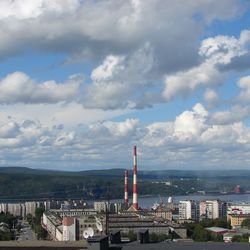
38, 214
41, 233
35, 223
132, 236
217, 237
200, 234
153, 237
246, 223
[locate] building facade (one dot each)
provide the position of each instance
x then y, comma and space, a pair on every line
187, 210
212, 209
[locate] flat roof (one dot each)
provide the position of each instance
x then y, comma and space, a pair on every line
187, 246
43, 243
217, 229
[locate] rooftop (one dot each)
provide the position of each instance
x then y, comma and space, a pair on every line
188, 246
182, 245
217, 229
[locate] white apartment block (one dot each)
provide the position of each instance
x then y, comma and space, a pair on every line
31, 207
212, 209
15, 209
187, 210
102, 206
4, 207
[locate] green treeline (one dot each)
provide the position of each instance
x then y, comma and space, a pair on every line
35, 223
7, 223
197, 230
65, 186
17, 186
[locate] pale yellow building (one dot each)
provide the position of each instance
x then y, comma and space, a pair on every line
237, 219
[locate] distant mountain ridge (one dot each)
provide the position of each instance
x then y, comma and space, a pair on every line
148, 174
27, 183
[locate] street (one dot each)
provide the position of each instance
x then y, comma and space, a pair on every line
26, 232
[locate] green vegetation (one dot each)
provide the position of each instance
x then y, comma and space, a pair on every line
132, 236
197, 230
154, 237
35, 223
7, 222
246, 223
241, 238
20, 183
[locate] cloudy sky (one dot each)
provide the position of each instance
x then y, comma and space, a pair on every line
83, 81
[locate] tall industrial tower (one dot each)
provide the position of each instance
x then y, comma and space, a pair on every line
135, 201
126, 187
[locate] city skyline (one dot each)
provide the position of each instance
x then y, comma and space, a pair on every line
82, 82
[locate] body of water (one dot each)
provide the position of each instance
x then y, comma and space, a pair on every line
147, 202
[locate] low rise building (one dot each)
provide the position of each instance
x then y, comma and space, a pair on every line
125, 222
227, 237
237, 219
70, 226
163, 212
103, 206
237, 213
218, 230
242, 208
53, 224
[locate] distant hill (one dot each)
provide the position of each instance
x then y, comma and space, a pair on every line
28, 183
147, 174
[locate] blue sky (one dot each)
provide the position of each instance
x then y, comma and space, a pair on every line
81, 82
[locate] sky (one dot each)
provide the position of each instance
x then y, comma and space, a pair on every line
82, 82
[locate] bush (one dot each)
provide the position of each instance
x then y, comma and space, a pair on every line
132, 236
154, 237
246, 223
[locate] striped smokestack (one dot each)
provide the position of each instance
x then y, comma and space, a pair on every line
135, 201
126, 187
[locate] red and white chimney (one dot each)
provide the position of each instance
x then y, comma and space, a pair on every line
135, 201
126, 187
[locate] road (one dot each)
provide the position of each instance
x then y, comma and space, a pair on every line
26, 232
